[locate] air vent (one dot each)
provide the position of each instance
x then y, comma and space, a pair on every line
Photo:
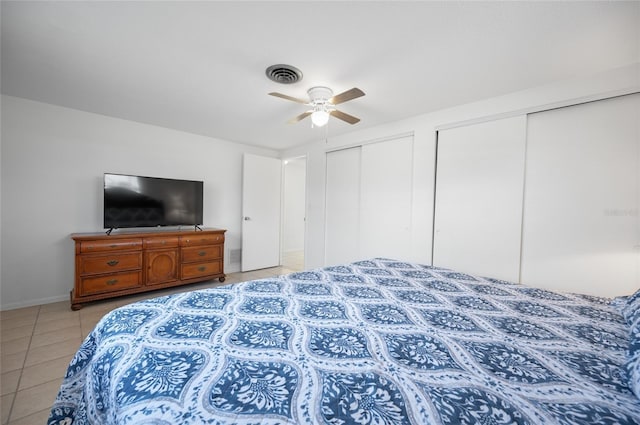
284, 74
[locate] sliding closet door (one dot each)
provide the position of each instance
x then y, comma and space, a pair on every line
386, 199
369, 192
479, 192
581, 229
342, 208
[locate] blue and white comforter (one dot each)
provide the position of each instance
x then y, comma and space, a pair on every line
373, 342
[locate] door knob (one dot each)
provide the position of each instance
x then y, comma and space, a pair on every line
247, 218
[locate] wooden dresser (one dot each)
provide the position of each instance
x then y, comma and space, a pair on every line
109, 266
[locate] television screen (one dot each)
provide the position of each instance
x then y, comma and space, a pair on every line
137, 201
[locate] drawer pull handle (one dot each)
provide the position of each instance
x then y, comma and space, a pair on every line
112, 281
202, 253
202, 268
113, 262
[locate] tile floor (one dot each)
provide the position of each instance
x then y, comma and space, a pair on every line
293, 260
38, 342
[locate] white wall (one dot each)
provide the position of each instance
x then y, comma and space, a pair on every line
53, 159
423, 127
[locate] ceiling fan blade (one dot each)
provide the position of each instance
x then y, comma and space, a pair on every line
354, 93
293, 99
299, 117
344, 117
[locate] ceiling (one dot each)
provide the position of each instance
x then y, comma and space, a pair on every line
200, 67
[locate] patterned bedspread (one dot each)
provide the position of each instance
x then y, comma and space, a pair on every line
373, 342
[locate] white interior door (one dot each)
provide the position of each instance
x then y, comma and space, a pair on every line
261, 191
479, 192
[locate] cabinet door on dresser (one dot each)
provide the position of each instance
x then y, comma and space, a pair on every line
160, 259
162, 266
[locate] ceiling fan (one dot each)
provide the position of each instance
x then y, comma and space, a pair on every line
322, 103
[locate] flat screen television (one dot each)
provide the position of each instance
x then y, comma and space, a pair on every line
138, 201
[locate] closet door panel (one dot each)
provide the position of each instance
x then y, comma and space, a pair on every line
479, 193
580, 229
342, 207
386, 188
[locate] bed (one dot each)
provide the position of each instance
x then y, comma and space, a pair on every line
372, 342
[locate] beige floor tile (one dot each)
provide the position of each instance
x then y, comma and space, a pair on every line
54, 351
17, 322
19, 312
89, 321
53, 337
45, 326
16, 333
39, 418
11, 362
135, 298
5, 407
59, 306
9, 382
15, 345
34, 399
43, 372
49, 316
250, 276
98, 307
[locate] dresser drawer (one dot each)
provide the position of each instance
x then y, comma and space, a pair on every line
95, 264
206, 239
190, 271
164, 242
116, 282
110, 245
202, 253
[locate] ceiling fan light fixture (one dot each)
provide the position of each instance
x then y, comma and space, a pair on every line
322, 103
320, 117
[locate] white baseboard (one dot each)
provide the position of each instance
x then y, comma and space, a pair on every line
31, 303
